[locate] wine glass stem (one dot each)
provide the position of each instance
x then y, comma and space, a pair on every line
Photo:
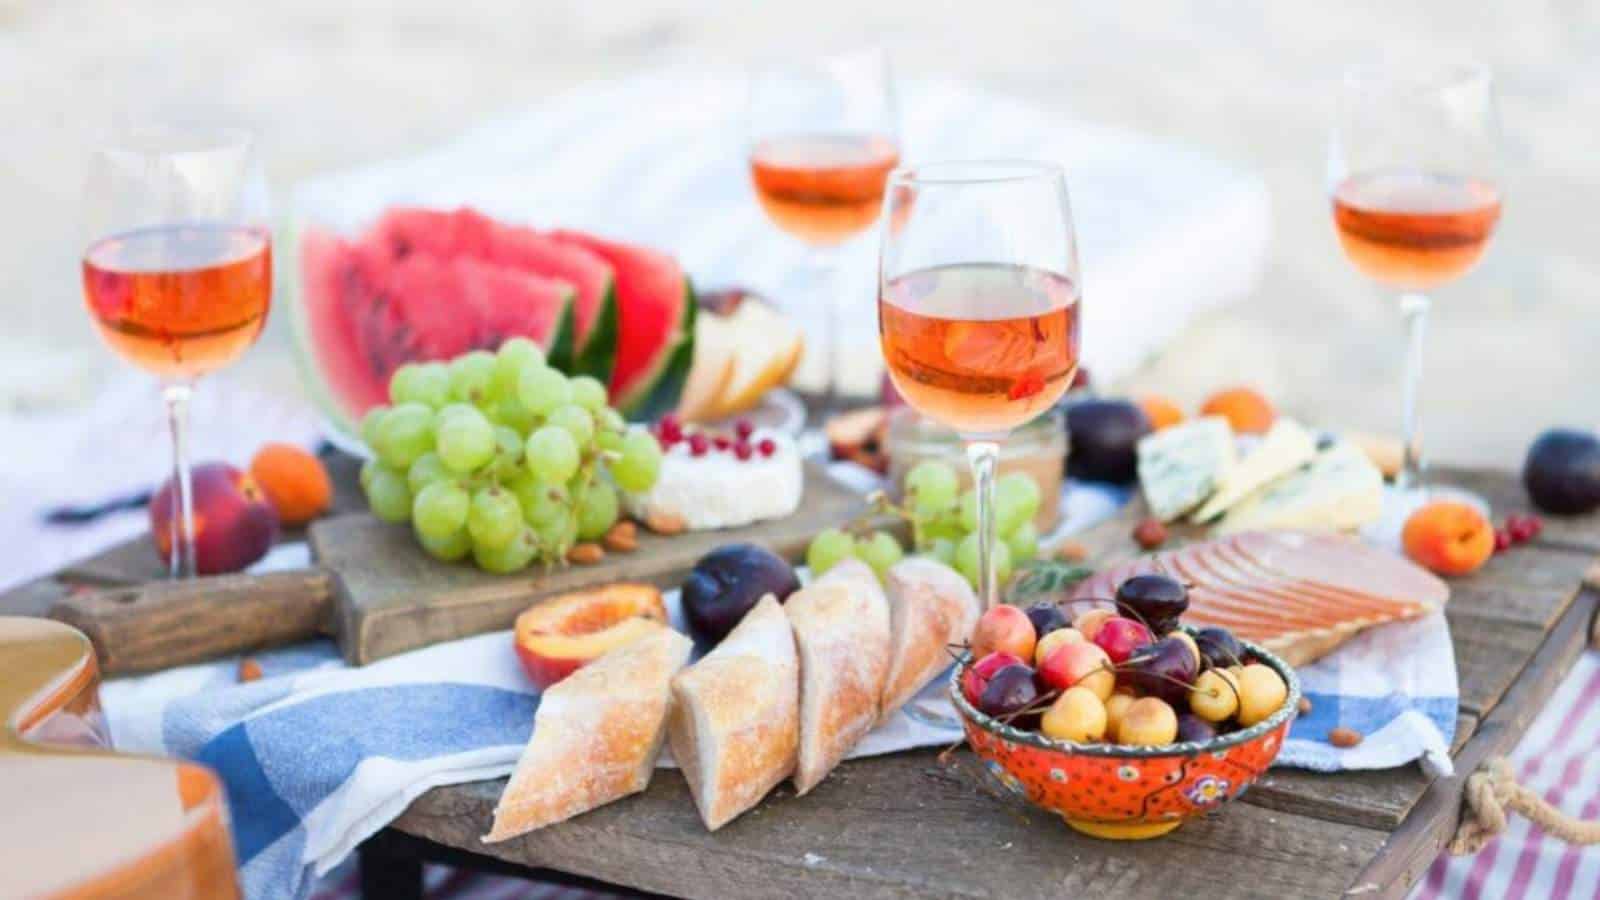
982, 455
819, 272
181, 563
1415, 309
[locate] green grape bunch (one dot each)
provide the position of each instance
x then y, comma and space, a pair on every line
500, 459
942, 520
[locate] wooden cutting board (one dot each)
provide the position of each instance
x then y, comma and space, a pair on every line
378, 594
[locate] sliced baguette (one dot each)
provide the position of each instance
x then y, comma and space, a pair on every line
735, 721
841, 630
931, 606
596, 736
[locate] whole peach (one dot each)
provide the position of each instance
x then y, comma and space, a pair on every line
234, 523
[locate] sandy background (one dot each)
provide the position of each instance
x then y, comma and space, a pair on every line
331, 84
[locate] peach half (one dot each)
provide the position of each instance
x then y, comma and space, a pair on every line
558, 635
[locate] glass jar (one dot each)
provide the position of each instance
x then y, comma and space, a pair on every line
1038, 448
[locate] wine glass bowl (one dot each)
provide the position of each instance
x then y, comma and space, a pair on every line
978, 307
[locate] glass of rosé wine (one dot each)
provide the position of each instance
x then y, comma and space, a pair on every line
978, 306
822, 137
1414, 185
177, 269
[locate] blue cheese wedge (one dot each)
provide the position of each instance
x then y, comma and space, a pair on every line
1340, 491
718, 490
1287, 446
1180, 466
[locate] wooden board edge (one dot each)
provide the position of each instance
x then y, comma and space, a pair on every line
1419, 840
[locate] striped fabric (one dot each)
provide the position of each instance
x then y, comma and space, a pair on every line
1560, 758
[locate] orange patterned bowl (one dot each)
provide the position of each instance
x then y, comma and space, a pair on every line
1122, 792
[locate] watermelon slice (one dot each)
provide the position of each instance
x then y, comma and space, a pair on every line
655, 325
368, 313
466, 232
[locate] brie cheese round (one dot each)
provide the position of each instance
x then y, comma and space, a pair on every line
719, 490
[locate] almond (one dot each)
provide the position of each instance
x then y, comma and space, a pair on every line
1072, 551
249, 669
1305, 706
586, 554
665, 523
622, 537
1344, 737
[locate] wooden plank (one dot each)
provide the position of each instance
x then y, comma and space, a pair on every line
901, 826
1506, 495
1372, 799
1489, 657
1413, 846
391, 597
1527, 585
33, 598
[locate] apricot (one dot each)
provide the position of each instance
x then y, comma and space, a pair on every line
1088, 623
1148, 722
1051, 641
295, 482
1161, 411
1004, 629
1261, 693
1244, 408
1448, 537
1215, 695
1076, 715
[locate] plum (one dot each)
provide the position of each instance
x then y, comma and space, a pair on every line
1009, 690
1164, 669
1103, 435
726, 583
1562, 472
1156, 600
1218, 647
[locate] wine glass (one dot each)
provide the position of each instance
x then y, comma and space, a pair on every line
1413, 176
978, 306
822, 137
177, 270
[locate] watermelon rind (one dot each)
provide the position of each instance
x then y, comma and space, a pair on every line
657, 392
559, 352
598, 352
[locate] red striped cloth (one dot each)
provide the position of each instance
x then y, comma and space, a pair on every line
1559, 757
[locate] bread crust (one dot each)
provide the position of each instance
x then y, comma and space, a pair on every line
931, 607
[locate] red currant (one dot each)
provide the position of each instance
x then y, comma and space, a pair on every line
1519, 528
742, 450
767, 447
743, 429
669, 429
721, 442
1502, 539
698, 445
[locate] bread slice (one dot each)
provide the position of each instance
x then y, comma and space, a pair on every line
596, 736
931, 606
735, 721
841, 630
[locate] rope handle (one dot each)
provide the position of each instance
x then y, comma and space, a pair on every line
1491, 792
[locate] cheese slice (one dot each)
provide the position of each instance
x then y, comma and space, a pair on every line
1180, 466
1340, 491
1286, 447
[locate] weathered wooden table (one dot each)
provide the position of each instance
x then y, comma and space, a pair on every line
906, 825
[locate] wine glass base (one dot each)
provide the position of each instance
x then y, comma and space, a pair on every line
1400, 502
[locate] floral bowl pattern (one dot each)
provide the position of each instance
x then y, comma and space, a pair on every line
1121, 792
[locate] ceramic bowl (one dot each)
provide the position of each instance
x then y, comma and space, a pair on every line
1127, 793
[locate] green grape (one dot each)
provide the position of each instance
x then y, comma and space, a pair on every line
830, 547
516, 356
967, 560
542, 389
609, 419
507, 452
640, 463
541, 503
451, 410
552, 455
471, 375
589, 393
465, 441
405, 433
944, 550
494, 518
557, 533
512, 556
1023, 543
510, 412
609, 441
1016, 500
880, 551
440, 509
453, 546
369, 425
945, 528
427, 469
575, 419
597, 511
369, 470
969, 510
426, 383
931, 486
388, 494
